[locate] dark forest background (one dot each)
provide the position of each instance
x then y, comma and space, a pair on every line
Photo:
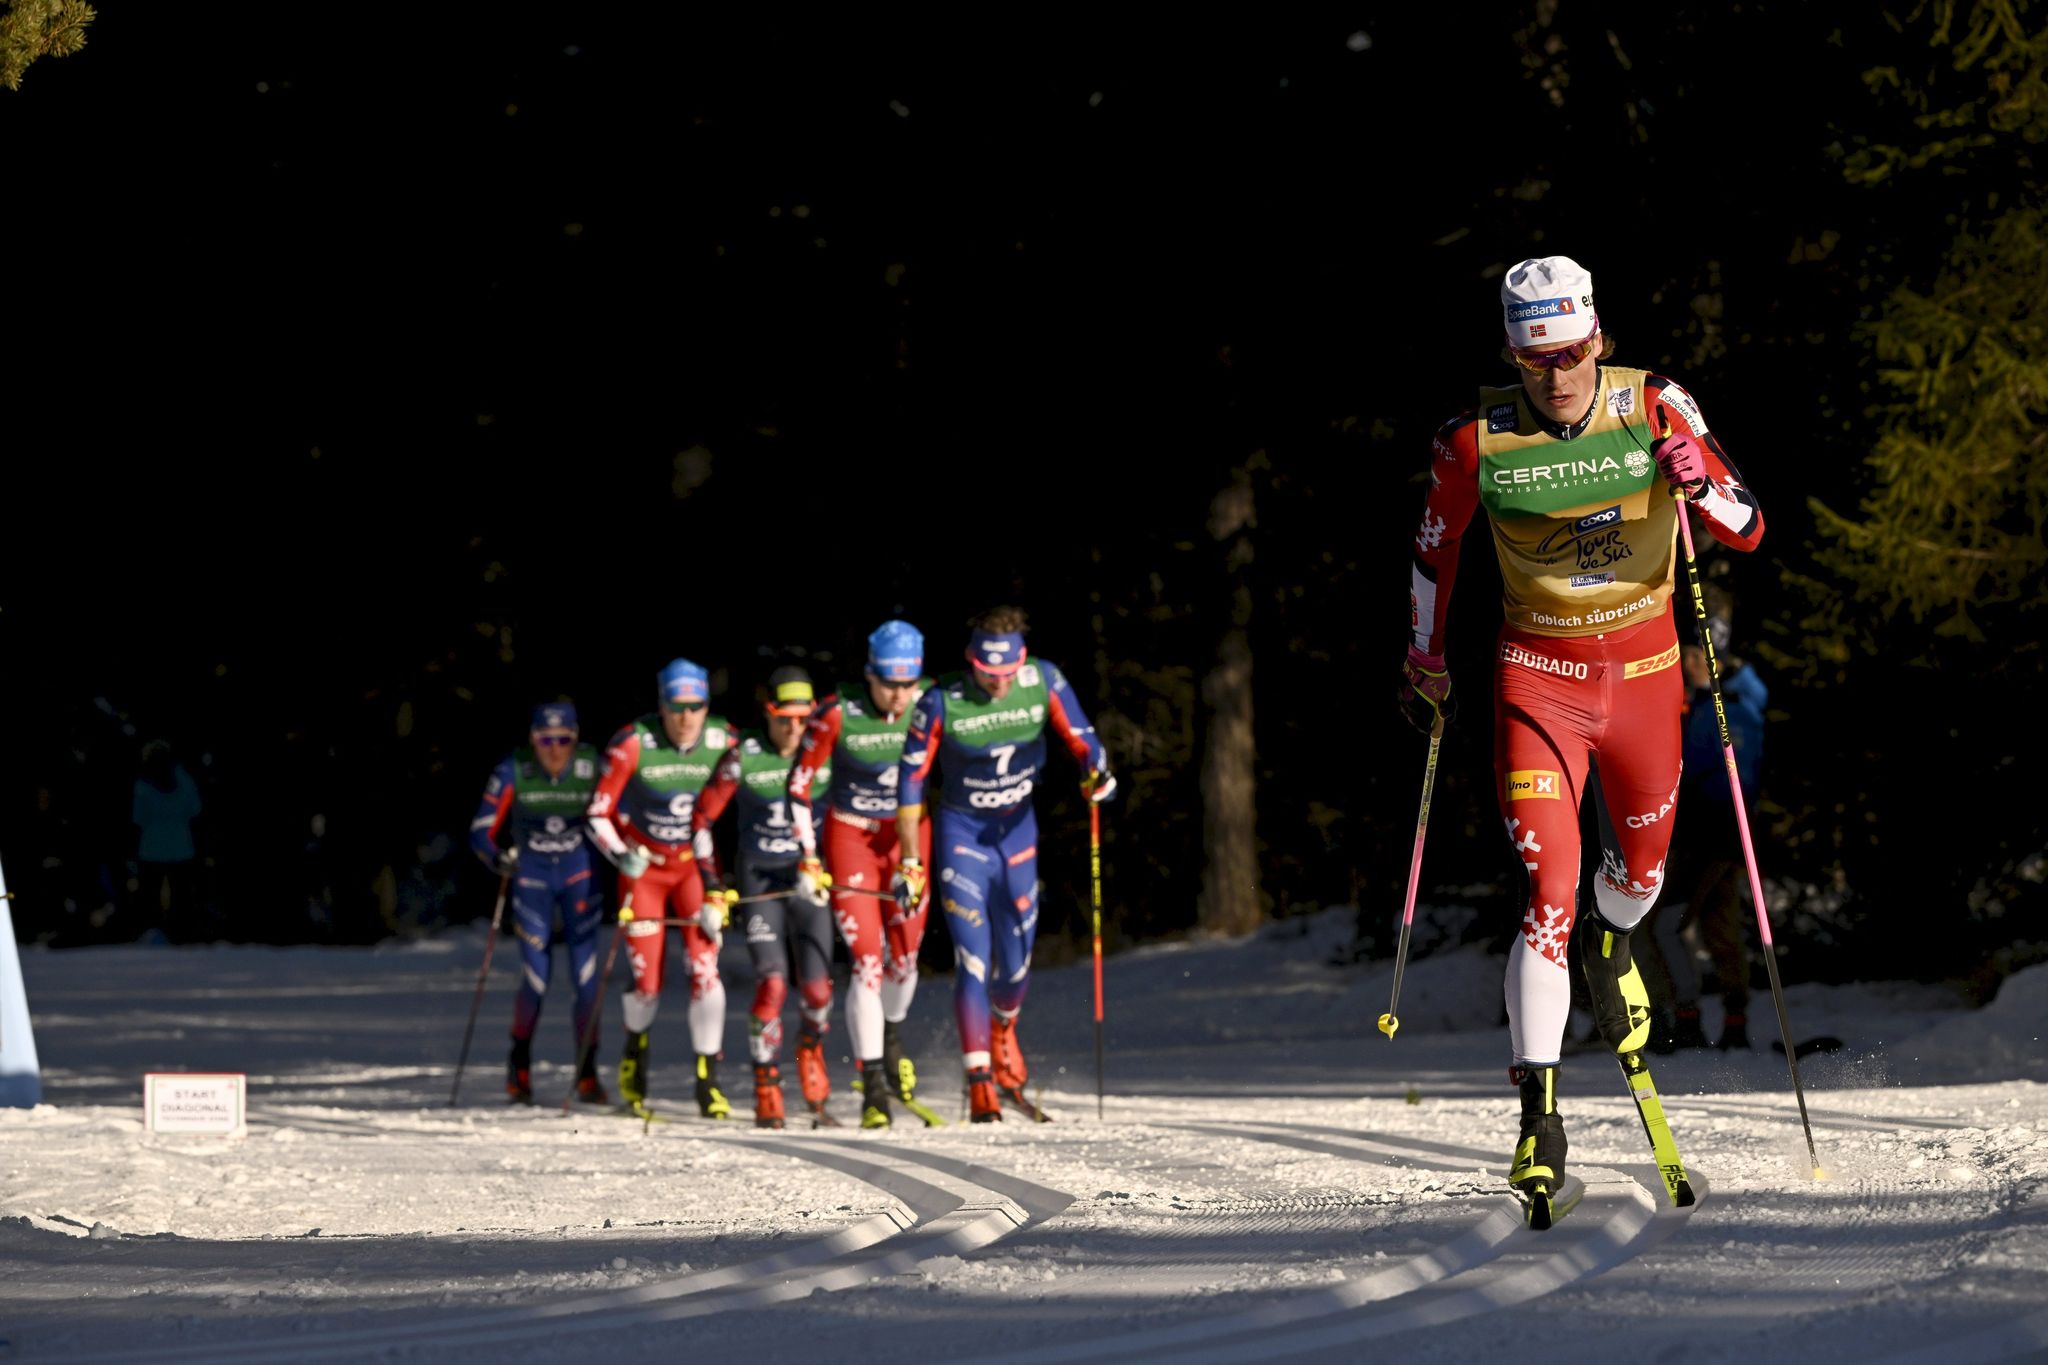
367, 383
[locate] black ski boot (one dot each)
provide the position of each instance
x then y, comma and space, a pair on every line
1734, 1033
874, 1095
900, 1070
711, 1101
1663, 1031
633, 1072
519, 1073
1621, 1004
1538, 1169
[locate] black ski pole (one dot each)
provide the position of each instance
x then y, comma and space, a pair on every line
483, 976
1756, 885
588, 1041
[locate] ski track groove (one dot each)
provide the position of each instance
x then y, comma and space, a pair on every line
1483, 1269
968, 1206
950, 1213
1790, 1113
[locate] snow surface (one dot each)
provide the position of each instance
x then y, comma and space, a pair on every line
1273, 1179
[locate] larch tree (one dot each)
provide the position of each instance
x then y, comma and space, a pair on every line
1945, 550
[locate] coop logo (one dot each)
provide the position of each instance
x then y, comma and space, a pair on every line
1502, 417
1606, 516
1541, 308
1656, 663
1533, 784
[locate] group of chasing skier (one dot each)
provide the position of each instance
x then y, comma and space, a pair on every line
1578, 467
834, 832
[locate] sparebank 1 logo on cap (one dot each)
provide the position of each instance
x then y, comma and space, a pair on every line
1541, 308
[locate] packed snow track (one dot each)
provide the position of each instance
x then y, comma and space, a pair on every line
1264, 1185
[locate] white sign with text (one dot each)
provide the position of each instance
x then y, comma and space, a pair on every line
208, 1104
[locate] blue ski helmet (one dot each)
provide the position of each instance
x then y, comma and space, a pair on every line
896, 652
554, 715
682, 683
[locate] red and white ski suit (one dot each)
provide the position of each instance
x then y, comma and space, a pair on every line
1587, 687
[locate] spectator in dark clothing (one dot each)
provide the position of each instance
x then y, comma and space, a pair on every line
166, 803
1719, 904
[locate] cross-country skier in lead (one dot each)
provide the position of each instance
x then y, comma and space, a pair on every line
859, 732
1571, 467
535, 801
986, 729
756, 772
641, 817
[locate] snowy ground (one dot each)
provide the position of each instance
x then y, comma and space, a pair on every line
1274, 1179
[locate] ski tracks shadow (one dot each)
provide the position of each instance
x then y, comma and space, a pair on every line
1492, 1262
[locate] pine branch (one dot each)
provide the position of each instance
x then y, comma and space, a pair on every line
30, 29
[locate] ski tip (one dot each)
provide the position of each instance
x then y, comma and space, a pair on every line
1683, 1197
1388, 1023
1538, 1212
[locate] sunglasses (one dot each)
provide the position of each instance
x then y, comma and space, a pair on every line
1536, 362
687, 705
552, 741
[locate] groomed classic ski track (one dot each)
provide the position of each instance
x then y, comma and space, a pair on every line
945, 1205
1492, 1263
940, 1206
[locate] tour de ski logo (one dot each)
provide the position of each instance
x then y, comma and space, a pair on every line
1621, 402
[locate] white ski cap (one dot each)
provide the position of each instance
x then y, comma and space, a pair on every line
1547, 299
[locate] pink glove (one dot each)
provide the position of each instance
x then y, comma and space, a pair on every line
1683, 463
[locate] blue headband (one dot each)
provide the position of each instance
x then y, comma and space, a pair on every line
998, 654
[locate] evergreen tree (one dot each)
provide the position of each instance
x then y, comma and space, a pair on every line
39, 28
1946, 549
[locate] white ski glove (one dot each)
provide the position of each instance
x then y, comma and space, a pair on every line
813, 882
713, 915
